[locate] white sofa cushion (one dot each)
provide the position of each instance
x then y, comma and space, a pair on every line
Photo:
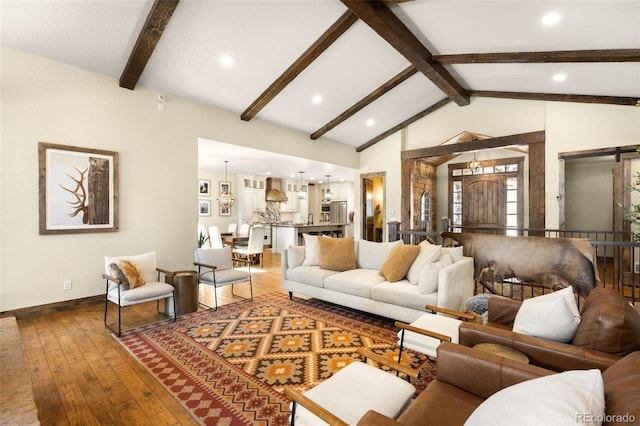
295, 256
425, 344
429, 253
571, 397
456, 253
402, 293
358, 385
430, 274
357, 282
372, 255
310, 275
553, 316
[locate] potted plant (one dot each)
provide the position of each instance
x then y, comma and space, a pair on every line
202, 239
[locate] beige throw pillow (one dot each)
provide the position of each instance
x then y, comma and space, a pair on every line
132, 272
337, 254
399, 261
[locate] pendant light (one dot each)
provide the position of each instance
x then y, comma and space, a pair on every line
302, 195
226, 197
474, 165
327, 194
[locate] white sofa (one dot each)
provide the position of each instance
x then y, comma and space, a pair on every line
366, 290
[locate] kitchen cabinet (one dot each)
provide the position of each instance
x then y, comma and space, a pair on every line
253, 188
294, 204
340, 191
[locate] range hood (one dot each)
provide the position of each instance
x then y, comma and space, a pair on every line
274, 190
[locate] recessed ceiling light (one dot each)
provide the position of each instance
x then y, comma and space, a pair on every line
226, 61
550, 19
316, 99
371, 122
559, 77
268, 173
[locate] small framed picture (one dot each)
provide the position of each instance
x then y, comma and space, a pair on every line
224, 186
204, 207
225, 211
204, 188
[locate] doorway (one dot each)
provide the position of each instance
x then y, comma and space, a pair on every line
373, 206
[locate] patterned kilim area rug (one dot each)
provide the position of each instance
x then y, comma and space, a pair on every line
230, 366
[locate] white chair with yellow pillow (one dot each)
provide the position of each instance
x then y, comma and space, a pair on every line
135, 279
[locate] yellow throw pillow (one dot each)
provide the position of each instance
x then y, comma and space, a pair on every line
337, 254
132, 272
399, 261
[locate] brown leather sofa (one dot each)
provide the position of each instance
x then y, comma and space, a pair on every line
609, 329
466, 377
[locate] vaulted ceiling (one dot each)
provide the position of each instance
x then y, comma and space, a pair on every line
351, 71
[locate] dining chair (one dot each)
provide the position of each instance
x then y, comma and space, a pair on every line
232, 228
215, 240
244, 228
255, 246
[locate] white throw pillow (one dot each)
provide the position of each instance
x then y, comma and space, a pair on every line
456, 253
553, 316
570, 398
372, 255
429, 253
312, 250
295, 256
428, 281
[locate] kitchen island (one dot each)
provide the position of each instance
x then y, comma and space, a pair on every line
290, 234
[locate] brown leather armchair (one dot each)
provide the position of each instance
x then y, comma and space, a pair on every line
609, 330
466, 377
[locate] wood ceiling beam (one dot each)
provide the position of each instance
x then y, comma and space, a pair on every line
499, 142
384, 88
148, 39
613, 55
556, 97
404, 124
382, 20
311, 54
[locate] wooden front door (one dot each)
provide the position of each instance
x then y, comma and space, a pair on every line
484, 201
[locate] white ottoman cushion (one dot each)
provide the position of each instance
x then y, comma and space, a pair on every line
356, 389
427, 345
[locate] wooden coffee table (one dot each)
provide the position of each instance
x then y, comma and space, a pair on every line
503, 351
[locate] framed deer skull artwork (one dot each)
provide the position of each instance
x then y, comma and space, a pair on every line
78, 189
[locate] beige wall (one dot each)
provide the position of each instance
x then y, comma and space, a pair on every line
568, 127
47, 101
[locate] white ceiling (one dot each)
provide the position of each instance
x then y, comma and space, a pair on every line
265, 37
249, 161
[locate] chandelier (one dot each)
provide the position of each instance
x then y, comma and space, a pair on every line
226, 197
302, 195
474, 165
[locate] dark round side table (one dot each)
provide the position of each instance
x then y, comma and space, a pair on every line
185, 284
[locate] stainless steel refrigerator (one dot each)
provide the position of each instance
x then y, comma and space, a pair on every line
338, 212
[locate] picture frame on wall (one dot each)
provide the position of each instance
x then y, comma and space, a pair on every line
204, 207
78, 189
204, 187
225, 211
224, 186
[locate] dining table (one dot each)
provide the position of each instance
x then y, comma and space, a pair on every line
231, 238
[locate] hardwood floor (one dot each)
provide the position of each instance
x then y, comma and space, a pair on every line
82, 376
